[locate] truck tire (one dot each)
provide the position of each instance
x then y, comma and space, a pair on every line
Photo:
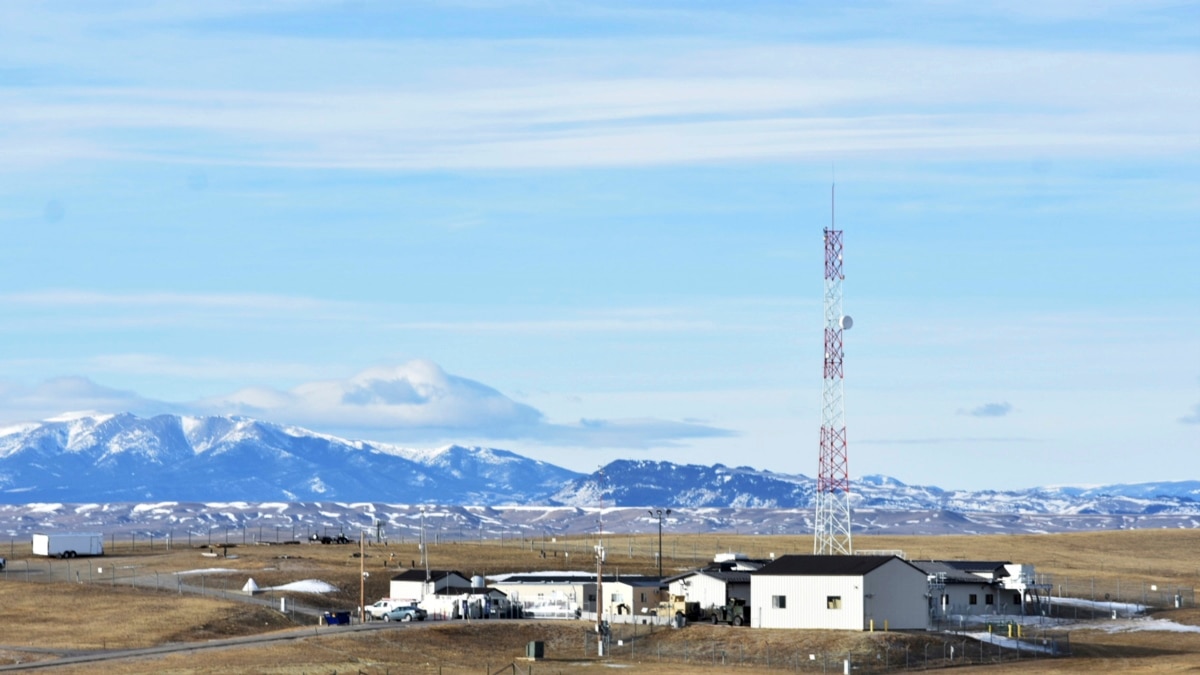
715, 620
737, 620
387, 617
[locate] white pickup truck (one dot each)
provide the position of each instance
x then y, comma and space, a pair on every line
386, 605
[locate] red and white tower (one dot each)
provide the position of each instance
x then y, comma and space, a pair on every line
833, 477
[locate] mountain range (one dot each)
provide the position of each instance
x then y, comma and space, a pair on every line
126, 459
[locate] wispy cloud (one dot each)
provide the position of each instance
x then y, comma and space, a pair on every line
479, 104
73, 308
946, 440
988, 410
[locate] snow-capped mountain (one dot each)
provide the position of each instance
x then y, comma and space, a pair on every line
113, 459
630, 483
122, 458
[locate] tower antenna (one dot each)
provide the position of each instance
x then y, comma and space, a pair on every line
832, 522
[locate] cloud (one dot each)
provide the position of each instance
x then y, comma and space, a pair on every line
72, 394
415, 396
414, 402
1193, 417
989, 410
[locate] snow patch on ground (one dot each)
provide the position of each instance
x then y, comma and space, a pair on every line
305, 586
207, 570
1131, 625
1101, 605
1009, 643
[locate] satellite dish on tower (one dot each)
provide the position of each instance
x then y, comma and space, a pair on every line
846, 323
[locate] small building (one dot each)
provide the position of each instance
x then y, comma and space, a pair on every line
626, 598
839, 592
972, 587
710, 588
417, 584
955, 592
725, 580
549, 595
477, 602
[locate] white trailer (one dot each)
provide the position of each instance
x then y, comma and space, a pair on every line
68, 544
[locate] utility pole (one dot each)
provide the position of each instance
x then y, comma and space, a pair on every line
362, 578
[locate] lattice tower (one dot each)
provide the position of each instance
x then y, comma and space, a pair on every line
833, 477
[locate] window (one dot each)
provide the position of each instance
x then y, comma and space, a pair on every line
779, 601
833, 602
591, 597
643, 598
973, 599
1016, 598
989, 599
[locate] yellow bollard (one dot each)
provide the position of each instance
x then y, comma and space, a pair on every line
872, 625
1010, 630
885, 625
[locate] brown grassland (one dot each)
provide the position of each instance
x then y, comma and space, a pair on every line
46, 620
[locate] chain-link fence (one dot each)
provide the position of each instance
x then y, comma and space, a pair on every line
1090, 597
921, 652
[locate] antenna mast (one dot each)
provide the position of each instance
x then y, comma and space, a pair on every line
832, 521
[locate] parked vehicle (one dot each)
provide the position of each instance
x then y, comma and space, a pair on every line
385, 605
735, 613
68, 544
406, 613
325, 539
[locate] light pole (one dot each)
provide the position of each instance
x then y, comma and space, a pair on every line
659, 513
424, 552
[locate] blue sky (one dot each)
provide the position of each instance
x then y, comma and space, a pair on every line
591, 230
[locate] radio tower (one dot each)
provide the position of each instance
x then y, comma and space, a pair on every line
833, 477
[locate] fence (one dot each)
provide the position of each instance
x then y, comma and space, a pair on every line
1123, 595
631, 643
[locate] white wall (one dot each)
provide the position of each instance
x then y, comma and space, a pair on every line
701, 589
574, 594
893, 592
895, 597
806, 602
959, 600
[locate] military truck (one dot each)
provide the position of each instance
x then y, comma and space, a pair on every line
736, 613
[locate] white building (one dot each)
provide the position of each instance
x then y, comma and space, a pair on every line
968, 587
839, 592
416, 584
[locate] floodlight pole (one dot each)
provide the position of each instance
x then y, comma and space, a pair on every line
659, 513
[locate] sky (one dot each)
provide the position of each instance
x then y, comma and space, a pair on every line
587, 231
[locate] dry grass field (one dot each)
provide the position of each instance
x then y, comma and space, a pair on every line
54, 611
